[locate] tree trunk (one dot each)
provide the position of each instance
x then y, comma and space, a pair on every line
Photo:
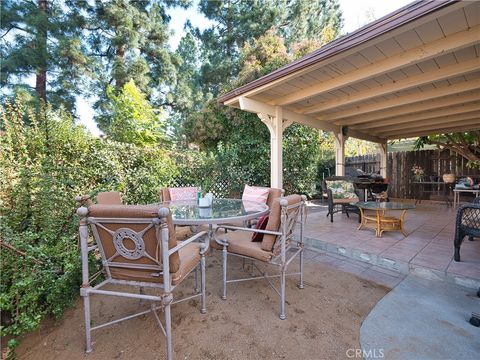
120, 80
41, 39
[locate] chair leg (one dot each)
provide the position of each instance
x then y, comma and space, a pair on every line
282, 294
196, 290
224, 266
86, 308
301, 269
457, 243
168, 330
203, 310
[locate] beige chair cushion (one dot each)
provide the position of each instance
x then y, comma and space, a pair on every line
150, 237
273, 194
109, 198
274, 221
182, 232
345, 201
240, 242
189, 259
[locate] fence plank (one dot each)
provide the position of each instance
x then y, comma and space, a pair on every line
399, 165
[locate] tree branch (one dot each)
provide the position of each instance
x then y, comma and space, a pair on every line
16, 28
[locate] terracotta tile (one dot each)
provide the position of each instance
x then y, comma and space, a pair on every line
465, 268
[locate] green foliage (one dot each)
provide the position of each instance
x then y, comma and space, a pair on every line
45, 44
261, 56
466, 144
237, 23
43, 167
129, 41
133, 119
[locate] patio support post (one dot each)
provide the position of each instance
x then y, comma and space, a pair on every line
340, 139
382, 148
276, 125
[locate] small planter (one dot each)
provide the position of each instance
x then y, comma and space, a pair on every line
448, 178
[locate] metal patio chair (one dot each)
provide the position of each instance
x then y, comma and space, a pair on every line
138, 248
273, 193
278, 246
467, 224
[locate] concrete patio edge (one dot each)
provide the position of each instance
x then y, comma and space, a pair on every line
398, 266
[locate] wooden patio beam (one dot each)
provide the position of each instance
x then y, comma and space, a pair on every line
403, 100
412, 119
459, 125
255, 106
438, 47
437, 122
461, 98
364, 136
407, 83
436, 131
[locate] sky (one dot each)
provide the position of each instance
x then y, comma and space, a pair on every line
356, 13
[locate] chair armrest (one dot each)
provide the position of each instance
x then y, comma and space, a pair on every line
186, 242
330, 196
227, 227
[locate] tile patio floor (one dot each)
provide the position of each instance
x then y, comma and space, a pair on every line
427, 251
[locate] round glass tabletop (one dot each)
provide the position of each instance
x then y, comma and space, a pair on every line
391, 205
188, 212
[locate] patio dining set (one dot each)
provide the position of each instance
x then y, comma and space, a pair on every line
157, 246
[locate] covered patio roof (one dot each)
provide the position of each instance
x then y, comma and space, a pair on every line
413, 72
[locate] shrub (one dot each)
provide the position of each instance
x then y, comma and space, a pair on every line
43, 166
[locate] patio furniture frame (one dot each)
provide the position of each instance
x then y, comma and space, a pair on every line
467, 224
290, 216
164, 300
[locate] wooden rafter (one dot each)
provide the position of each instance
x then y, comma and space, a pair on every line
404, 100
424, 52
395, 86
375, 117
428, 117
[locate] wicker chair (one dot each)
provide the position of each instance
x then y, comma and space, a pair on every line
467, 224
138, 249
278, 239
340, 205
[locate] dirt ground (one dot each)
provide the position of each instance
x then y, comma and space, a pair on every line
323, 321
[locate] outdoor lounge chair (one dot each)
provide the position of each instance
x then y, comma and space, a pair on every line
278, 246
138, 249
467, 224
340, 193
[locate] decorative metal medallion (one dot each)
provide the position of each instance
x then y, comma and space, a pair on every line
118, 241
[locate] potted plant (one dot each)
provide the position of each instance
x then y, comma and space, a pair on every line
418, 173
448, 178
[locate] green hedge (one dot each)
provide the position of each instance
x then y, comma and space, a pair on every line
43, 166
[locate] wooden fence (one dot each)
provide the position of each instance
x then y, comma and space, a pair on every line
399, 165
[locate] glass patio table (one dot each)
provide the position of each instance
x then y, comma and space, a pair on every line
222, 211
381, 222
188, 212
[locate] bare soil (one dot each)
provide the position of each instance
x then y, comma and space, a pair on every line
323, 321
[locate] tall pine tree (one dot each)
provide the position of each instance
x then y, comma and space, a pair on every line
41, 40
239, 22
129, 40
